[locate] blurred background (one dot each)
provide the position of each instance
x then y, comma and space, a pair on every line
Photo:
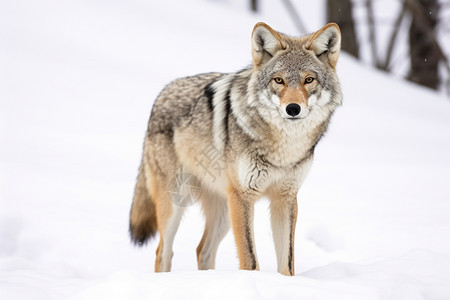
406, 38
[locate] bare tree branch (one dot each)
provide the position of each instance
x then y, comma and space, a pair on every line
415, 8
295, 16
254, 5
341, 12
393, 39
372, 36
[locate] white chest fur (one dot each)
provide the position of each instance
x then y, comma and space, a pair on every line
286, 152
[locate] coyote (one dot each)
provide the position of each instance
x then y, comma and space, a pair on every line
231, 139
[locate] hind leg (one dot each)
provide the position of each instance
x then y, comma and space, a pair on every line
217, 225
177, 195
168, 217
163, 167
168, 226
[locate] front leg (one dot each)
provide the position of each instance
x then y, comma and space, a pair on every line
283, 210
241, 207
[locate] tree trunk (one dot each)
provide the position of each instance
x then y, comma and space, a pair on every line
341, 13
424, 54
254, 5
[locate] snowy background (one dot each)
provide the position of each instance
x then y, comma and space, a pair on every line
80, 81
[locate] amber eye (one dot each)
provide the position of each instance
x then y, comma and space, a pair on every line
278, 80
309, 79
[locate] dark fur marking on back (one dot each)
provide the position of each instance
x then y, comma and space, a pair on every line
209, 94
227, 115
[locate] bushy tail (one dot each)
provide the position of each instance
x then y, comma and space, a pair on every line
143, 213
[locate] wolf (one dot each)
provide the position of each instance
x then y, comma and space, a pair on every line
235, 138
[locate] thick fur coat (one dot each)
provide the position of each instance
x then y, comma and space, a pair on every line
230, 139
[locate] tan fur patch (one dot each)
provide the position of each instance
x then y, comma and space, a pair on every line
202, 241
241, 212
158, 259
164, 209
297, 95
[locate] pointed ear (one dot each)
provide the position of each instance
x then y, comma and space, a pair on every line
265, 43
326, 43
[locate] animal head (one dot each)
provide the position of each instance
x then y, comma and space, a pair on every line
297, 75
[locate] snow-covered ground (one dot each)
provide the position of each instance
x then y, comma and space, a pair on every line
79, 84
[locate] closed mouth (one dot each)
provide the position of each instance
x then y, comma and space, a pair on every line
293, 119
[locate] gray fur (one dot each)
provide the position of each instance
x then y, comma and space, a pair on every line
259, 152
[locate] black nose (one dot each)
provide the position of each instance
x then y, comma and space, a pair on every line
293, 109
